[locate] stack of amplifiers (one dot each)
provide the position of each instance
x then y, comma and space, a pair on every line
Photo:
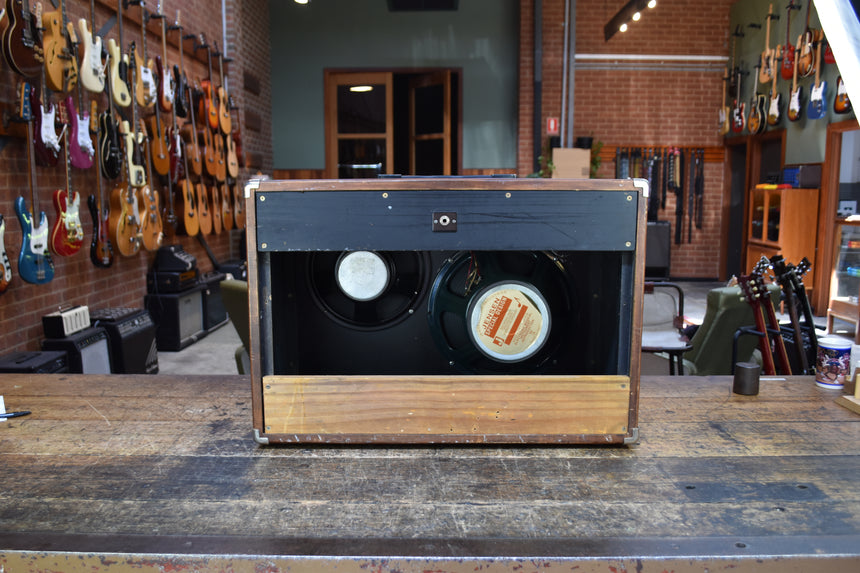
446, 310
131, 332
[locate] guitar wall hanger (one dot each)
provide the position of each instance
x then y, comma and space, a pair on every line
754, 26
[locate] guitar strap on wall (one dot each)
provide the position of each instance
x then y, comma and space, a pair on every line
700, 188
691, 196
678, 186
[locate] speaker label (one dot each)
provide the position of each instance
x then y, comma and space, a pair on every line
508, 324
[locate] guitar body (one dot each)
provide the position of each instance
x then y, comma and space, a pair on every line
204, 214
46, 142
805, 54
765, 73
787, 68
177, 165
22, 44
232, 160
180, 85
756, 122
118, 70
192, 149
136, 171
67, 235
841, 104
215, 204
109, 146
92, 70
218, 151
61, 70
738, 117
817, 107
101, 249
146, 91
208, 107
795, 104
225, 121
165, 86
158, 148
5, 267
226, 207
210, 160
124, 220
151, 227
186, 210
34, 261
774, 109
81, 150
238, 206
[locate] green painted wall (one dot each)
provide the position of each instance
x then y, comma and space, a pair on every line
805, 139
481, 38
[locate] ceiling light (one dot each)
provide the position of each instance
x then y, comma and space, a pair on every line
636, 16
360, 89
652, 4
622, 28
301, 1
630, 12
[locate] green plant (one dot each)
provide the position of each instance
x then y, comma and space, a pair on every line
596, 148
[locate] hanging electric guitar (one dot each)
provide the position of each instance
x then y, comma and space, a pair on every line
767, 63
5, 266
145, 86
151, 228
101, 249
118, 66
756, 121
92, 69
739, 109
805, 47
787, 49
180, 84
80, 147
110, 152
34, 260
795, 101
774, 106
158, 144
67, 234
61, 65
723, 124
133, 139
817, 107
22, 40
841, 104
209, 106
46, 141
165, 80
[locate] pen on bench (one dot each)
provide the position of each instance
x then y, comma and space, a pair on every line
14, 414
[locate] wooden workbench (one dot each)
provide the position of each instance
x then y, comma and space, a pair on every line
161, 473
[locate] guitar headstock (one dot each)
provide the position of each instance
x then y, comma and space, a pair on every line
802, 268
753, 288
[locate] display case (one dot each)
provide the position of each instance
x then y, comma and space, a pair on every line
845, 281
782, 221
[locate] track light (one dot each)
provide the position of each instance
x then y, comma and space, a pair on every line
631, 12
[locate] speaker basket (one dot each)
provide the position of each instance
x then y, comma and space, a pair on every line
446, 310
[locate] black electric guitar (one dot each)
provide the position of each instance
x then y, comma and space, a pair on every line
790, 279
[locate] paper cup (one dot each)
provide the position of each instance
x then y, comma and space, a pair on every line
834, 361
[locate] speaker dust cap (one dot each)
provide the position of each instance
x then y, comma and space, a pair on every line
362, 275
509, 321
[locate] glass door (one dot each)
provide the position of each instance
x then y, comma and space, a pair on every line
430, 124
359, 124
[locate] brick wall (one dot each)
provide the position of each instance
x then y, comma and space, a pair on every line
639, 106
77, 280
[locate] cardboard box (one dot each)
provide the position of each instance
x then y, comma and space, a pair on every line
571, 163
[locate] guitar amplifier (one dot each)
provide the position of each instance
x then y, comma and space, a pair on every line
446, 310
88, 350
174, 258
66, 321
170, 281
214, 313
178, 317
131, 332
47, 362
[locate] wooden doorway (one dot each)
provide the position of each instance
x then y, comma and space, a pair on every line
392, 122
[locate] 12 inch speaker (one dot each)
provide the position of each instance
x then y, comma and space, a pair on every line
452, 310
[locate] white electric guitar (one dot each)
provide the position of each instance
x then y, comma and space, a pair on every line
92, 69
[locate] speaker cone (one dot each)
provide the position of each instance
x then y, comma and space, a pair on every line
500, 312
368, 290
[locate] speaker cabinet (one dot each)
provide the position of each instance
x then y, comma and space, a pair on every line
88, 351
214, 313
131, 332
446, 310
178, 318
47, 362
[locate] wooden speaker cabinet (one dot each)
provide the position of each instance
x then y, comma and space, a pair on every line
446, 310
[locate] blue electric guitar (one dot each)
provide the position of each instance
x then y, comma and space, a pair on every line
34, 261
818, 92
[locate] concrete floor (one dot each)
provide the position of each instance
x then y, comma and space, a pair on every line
215, 353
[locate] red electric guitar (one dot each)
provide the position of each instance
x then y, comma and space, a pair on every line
67, 235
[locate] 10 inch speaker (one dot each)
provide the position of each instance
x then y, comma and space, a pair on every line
446, 310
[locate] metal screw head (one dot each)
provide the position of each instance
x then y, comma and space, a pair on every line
262, 197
